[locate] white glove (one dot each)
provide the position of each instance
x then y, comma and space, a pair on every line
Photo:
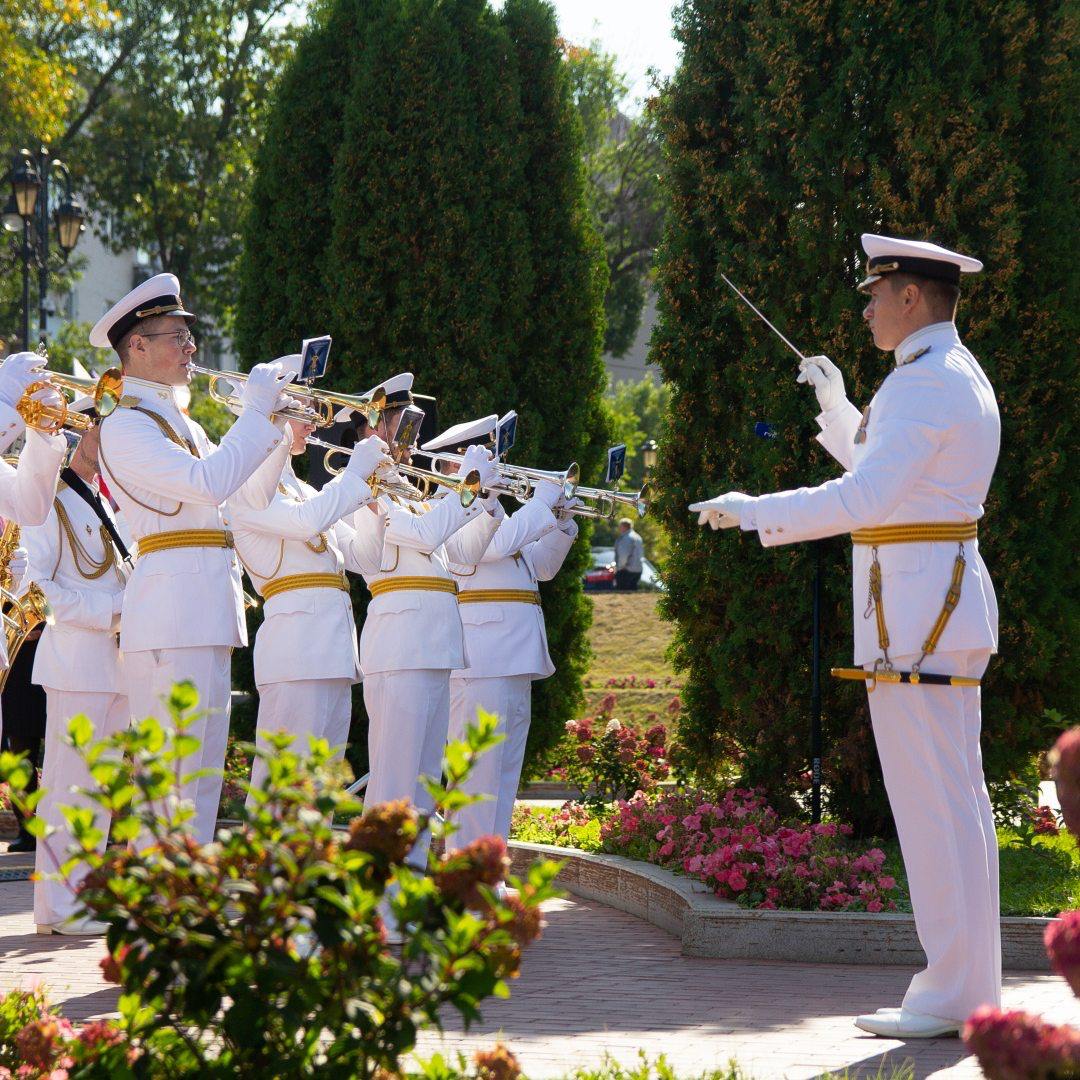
263, 391
480, 459
367, 455
567, 520
548, 492
824, 376
49, 395
17, 373
19, 560
723, 512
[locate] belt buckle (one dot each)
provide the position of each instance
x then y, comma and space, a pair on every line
229, 539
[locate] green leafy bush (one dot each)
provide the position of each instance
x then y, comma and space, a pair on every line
267, 951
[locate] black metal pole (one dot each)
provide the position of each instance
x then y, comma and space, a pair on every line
815, 694
26, 285
43, 245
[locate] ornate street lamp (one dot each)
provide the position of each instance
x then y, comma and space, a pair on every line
28, 210
648, 455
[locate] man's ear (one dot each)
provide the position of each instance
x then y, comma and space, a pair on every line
912, 292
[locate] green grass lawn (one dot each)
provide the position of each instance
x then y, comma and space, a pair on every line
1040, 879
629, 639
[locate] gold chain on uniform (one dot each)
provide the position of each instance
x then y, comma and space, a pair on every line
168, 431
86, 565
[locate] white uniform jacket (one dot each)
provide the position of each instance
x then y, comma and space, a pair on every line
932, 435
510, 638
79, 652
187, 596
307, 633
26, 493
410, 629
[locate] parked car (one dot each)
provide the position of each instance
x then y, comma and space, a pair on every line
602, 574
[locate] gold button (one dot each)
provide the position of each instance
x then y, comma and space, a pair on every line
769, 532
779, 529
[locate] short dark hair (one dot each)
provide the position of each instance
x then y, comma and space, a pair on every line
941, 296
123, 346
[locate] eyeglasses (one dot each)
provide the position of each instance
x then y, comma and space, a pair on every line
183, 337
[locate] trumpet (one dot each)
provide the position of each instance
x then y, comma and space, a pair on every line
467, 487
313, 406
519, 482
107, 392
604, 505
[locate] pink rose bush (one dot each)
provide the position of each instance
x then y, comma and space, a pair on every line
608, 760
738, 846
1013, 1045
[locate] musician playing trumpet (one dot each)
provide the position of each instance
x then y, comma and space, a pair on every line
79, 559
183, 607
505, 637
26, 492
412, 637
296, 552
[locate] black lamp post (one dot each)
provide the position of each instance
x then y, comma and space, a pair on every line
28, 209
648, 456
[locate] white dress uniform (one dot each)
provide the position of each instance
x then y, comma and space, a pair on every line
296, 552
412, 637
184, 605
74, 561
923, 452
505, 641
27, 492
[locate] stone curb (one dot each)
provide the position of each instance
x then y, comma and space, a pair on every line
720, 929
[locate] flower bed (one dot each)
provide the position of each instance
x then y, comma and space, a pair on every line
736, 844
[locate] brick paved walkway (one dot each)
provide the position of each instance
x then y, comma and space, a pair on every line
603, 982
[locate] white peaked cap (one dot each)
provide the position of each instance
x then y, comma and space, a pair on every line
887, 254
397, 389
159, 295
471, 432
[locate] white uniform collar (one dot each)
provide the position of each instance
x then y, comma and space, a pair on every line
160, 395
917, 344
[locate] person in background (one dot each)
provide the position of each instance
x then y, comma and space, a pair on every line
629, 552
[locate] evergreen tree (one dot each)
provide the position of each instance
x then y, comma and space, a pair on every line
443, 232
791, 131
560, 376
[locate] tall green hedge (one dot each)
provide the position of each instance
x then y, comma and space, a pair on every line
448, 236
790, 129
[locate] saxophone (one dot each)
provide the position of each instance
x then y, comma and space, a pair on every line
21, 615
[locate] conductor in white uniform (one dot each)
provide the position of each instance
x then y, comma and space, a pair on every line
183, 607
918, 462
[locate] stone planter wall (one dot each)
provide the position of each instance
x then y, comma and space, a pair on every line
709, 926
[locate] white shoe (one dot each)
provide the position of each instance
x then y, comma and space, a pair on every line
83, 927
901, 1024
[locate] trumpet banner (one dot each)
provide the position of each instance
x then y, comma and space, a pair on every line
791, 129
419, 195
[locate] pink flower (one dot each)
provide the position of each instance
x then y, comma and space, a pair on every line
1063, 947
875, 905
736, 882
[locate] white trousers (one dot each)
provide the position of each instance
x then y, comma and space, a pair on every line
150, 674
408, 713
928, 741
498, 771
63, 770
304, 709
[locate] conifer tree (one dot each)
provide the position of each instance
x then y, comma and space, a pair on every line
448, 236
789, 132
